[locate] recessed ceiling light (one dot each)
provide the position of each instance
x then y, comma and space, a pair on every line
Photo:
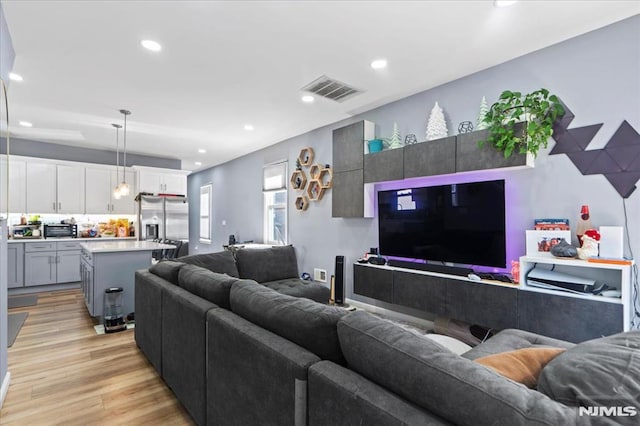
308, 99
15, 77
248, 127
25, 124
198, 163
379, 64
202, 151
151, 45
504, 3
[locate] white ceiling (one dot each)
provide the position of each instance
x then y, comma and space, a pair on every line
228, 63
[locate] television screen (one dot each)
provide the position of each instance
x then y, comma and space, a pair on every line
461, 223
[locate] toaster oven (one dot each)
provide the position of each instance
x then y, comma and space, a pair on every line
60, 230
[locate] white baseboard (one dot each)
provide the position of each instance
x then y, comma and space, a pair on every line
5, 387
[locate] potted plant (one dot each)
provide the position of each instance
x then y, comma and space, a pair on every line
539, 110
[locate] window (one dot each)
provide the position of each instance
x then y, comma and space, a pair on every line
275, 203
205, 214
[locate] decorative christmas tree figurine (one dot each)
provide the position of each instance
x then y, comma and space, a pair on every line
484, 109
298, 165
437, 126
395, 141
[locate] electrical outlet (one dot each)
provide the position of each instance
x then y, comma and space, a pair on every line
320, 275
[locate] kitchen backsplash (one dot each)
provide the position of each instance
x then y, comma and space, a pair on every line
81, 220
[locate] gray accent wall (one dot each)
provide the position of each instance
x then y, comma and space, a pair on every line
595, 74
31, 148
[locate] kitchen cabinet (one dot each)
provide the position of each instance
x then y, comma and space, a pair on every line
99, 186
15, 265
39, 268
41, 187
54, 188
162, 181
17, 188
51, 263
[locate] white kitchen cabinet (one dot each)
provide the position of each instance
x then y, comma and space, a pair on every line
162, 181
99, 186
53, 188
70, 189
17, 188
125, 205
41, 188
98, 190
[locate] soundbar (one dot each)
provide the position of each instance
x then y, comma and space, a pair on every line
430, 267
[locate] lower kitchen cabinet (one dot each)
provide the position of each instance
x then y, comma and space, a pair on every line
51, 263
15, 265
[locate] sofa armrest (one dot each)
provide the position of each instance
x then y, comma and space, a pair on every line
339, 396
184, 360
254, 376
148, 311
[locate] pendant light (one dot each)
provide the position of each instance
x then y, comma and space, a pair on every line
124, 186
116, 191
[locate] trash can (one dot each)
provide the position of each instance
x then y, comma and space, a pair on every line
113, 311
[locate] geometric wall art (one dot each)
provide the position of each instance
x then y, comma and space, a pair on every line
618, 161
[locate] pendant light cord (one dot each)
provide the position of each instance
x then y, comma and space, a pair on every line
124, 177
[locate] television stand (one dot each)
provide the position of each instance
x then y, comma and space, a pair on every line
430, 267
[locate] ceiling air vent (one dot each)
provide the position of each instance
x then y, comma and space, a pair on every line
330, 89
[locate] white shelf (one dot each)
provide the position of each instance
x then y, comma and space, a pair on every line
615, 275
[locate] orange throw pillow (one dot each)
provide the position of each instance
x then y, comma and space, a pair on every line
522, 365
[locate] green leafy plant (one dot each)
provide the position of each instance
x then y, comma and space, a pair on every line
539, 110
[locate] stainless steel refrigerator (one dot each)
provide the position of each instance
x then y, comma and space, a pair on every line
163, 217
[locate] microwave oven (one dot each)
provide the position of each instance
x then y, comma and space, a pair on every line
60, 230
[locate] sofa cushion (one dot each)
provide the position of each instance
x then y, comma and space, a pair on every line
221, 262
599, 372
302, 321
431, 376
512, 339
300, 288
269, 264
522, 365
167, 269
209, 285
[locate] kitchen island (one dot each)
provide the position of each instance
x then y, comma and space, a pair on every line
113, 263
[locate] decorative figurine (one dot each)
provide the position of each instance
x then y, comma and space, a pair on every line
564, 249
590, 241
437, 125
395, 141
465, 127
410, 139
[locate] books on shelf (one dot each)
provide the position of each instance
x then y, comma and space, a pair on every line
551, 224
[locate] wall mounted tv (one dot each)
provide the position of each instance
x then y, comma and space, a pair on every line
462, 223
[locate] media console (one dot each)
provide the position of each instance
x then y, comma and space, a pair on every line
498, 305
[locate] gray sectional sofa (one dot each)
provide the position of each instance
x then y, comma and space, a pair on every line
239, 352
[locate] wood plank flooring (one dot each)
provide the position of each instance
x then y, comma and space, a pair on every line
63, 373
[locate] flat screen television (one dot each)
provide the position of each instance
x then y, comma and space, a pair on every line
461, 223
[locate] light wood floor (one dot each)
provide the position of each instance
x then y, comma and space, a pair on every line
63, 373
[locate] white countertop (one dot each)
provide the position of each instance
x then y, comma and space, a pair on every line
79, 240
117, 246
